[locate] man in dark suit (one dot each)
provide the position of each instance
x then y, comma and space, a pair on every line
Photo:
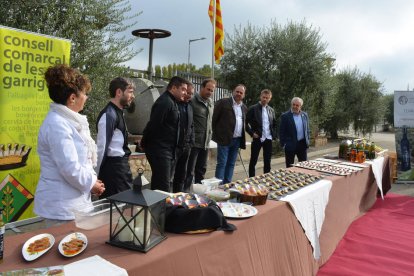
294, 132
260, 124
161, 134
185, 141
228, 131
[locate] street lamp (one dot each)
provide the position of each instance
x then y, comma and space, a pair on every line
189, 44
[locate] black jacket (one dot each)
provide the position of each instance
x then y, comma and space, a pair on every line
161, 133
186, 136
224, 122
254, 120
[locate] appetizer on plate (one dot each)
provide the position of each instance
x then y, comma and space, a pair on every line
36, 246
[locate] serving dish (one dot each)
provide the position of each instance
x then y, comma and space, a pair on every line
36, 246
237, 210
73, 244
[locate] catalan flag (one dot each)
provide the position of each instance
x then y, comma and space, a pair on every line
218, 29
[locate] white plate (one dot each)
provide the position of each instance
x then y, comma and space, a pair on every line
68, 238
33, 256
237, 210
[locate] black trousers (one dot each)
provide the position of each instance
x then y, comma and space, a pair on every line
300, 151
162, 167
255, 150
196, 167
182, 154
116, 175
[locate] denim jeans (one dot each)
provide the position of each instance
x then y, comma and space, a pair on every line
226, 159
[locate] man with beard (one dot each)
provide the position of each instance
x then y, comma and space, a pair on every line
112, 139
228, 122
162, 134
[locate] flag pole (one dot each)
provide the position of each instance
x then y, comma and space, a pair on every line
214, 40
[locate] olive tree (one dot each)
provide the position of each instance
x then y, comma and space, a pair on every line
290, 60
93, 26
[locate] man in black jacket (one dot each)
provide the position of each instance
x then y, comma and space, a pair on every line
185, 141
261, 124
161, 134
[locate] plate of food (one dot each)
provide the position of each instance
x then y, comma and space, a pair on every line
237, 210
36, 246
73, 244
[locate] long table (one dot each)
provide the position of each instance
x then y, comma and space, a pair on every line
270, 243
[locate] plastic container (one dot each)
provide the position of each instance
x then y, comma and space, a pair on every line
199, 189
218, 195
211, 183
94, 215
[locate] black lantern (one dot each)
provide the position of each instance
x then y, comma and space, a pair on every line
138, 218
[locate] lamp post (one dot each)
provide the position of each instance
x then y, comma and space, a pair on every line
189, 46
151, 34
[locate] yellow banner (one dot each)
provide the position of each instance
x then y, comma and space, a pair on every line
24, 102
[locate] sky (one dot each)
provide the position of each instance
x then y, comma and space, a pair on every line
375, 36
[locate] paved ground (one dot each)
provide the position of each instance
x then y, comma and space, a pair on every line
384, 139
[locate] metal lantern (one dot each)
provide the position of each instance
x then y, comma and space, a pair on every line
138, 218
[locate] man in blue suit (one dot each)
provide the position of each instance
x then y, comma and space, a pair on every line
294, 132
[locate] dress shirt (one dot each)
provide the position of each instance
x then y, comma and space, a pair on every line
299, 126
115, 147
265, 123
239, 119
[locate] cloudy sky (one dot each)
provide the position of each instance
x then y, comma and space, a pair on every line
376, 36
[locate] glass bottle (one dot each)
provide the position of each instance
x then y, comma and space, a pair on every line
405, 152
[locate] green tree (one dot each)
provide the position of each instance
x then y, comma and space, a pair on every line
388, 103
290, 60
356, 102
93, 26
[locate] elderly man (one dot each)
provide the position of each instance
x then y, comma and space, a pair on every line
261, 125
202, 105
294, 132
228, 131
161, 134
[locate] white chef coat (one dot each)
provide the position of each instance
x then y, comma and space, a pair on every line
67, 175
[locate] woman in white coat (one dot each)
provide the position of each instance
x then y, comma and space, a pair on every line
65, 147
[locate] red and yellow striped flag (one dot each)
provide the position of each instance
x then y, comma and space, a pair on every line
219, 30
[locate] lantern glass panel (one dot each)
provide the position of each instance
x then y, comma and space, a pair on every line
139, 227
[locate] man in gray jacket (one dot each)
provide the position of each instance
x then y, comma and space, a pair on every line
202, 115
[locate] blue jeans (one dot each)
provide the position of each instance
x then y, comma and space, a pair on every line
226, 159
